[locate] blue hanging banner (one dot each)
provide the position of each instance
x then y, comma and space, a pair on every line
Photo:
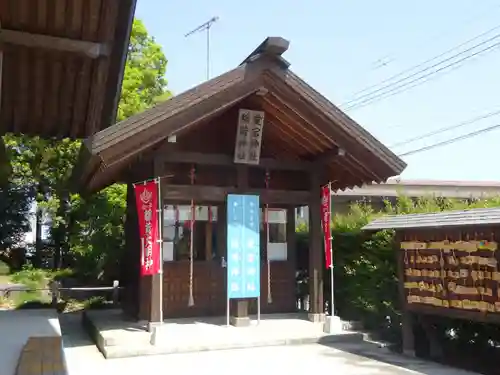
243, 246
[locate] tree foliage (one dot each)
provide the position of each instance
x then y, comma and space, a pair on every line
84, 233
97, 236
144, 82
14, 211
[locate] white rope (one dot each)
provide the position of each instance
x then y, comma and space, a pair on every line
191, 247
266, 221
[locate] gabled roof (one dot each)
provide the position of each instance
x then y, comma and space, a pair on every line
63, 64
464, 218
293, 108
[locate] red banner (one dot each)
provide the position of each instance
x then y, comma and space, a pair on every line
146, 196
325, 223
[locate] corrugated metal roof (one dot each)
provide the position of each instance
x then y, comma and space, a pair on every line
473, 217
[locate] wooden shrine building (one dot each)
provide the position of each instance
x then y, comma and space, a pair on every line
189, 141
447, 266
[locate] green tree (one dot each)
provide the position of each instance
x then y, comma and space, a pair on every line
14, 216
97, 234
144, 82
86, 233
96, 230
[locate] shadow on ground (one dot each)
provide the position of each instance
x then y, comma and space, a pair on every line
384, 355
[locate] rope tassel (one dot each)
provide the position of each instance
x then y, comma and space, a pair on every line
191, 244
266, 223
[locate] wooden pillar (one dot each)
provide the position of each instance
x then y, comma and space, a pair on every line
316, 310
221, 232
408, 318
291, 239
431, 335
129, 262
291, 248
239, 307
1, 66
408, 338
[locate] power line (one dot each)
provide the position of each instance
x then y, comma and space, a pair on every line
433, 38
205, 27
425, 69
356, 95
446, 128
402, 88
419, 81
451, 140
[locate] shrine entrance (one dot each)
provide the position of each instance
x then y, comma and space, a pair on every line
210, 261
208, 276
257, 129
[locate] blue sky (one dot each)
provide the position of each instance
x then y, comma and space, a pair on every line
335, 46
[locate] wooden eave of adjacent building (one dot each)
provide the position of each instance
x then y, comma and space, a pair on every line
447, 220
63, 63
302, 128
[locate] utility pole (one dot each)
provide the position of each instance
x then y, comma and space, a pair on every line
205, 27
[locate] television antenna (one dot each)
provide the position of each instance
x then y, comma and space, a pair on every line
205, 27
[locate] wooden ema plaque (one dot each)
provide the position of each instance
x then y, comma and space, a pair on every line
460, 275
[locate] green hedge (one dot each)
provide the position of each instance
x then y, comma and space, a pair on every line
366, 284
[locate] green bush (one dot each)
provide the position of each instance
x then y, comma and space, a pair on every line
31, 277
4, 268
62, 274
366, 283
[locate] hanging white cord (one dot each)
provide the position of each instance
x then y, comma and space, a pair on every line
191, 245
266, 222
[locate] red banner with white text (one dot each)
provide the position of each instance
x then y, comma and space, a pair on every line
325, 223
146, 196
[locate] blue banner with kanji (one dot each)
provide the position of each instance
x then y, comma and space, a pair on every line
243, 246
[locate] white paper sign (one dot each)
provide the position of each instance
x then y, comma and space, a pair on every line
248, 143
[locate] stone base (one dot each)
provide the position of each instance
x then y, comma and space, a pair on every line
333, 325
240, 321
409, 353
316, 318
156, 332
152, 326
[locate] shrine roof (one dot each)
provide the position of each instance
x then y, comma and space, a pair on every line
62, 65
305, 124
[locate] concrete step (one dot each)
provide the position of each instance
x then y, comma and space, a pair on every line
124, 351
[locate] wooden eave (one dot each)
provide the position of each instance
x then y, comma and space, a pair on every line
301, 123
63, 64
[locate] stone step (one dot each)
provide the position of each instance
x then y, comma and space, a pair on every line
124, 351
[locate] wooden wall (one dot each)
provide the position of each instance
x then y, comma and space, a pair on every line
451, 273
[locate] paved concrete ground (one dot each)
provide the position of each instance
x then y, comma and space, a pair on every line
83, 358
16, 326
